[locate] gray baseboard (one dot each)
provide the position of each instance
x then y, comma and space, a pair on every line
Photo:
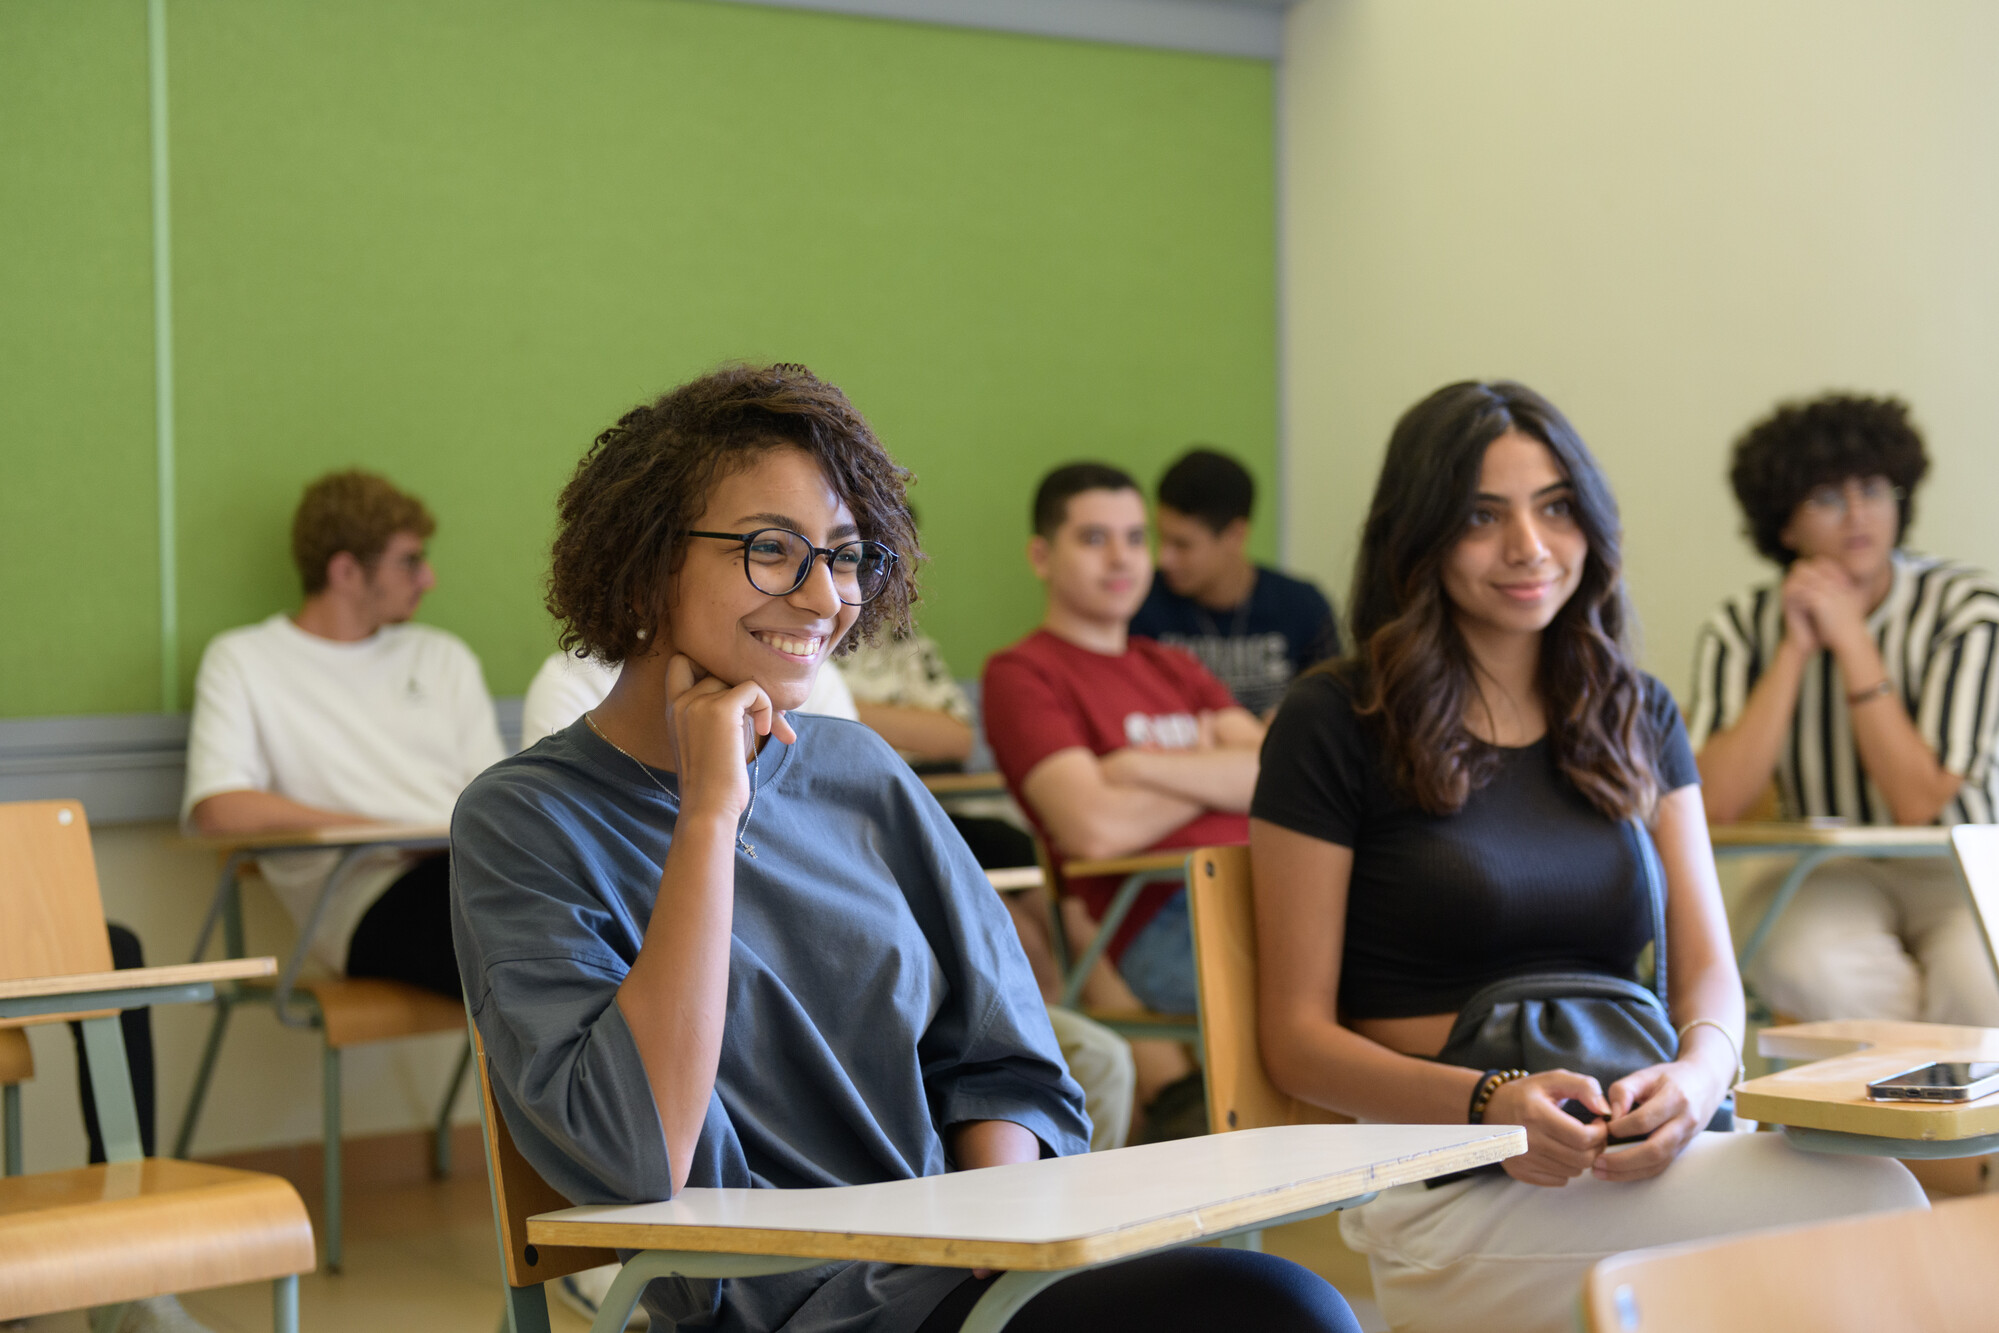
126, 768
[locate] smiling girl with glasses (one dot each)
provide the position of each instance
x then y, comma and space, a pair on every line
713, 942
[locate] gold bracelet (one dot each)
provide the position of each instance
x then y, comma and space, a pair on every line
1741, 1070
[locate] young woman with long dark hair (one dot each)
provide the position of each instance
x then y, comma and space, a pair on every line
710, 941
1445, 808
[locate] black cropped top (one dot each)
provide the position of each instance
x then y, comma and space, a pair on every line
1527, 877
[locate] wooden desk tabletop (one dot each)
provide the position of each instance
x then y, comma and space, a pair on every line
347, 835
1848, 1054
964, 784
1052, 1214
1779, 836
1126, 865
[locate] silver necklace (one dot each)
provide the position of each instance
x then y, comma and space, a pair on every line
741, 830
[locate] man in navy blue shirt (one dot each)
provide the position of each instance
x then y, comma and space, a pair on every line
1250, 625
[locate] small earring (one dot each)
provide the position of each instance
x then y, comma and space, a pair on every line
643, 634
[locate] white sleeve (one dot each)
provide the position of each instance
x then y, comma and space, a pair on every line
563, 689
224, 751
830, 696
478, 728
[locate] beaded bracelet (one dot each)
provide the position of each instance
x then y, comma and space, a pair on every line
1482, 1091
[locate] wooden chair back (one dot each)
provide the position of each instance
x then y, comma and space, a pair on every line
17, 1058
1917, 1269
1240, 1093
519, 1193
51, 918
1977, 849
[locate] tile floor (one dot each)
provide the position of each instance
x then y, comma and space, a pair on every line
421, 1255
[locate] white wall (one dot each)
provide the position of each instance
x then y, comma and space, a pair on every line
266, 1089
1665, 217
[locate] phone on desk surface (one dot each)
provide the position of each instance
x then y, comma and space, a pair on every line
1938, 1081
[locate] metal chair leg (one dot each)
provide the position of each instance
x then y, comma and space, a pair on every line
10, 1106
527, 1310
284, 1304
330, 1093
199, 1093
440, 1142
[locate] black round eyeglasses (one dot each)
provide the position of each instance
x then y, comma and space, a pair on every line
777, 562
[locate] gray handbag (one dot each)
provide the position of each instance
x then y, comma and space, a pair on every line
1585, 1022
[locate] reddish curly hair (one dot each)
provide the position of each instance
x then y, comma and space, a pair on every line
353, 511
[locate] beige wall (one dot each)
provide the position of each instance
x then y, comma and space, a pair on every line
1664, 217
266, 1089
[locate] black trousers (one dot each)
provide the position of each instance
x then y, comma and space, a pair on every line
406, 934
1181, 1291
995, 844
137, 1027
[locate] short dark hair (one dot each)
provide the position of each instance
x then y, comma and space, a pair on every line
1823, 442
1051, 497
356, 512
1209, 485
623, 517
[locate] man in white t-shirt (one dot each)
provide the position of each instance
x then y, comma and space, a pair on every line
342, 713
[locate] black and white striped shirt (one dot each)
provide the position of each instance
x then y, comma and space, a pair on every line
1936, 629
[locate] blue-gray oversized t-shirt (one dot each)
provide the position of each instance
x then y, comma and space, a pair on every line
877, 995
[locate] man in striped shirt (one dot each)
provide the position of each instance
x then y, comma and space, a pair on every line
1864, 683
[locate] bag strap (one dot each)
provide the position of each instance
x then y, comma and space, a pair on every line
1655, 889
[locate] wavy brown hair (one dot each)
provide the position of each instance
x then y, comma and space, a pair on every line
1410, 670
624, 516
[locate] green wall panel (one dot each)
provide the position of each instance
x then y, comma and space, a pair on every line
453, 241
79, 575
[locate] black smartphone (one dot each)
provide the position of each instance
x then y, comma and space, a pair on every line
1939, 1081
1580, 1112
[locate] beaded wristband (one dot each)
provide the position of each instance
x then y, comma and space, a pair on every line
1481, 1093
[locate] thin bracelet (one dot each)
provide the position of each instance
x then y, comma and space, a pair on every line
1874, 691
1741, 1070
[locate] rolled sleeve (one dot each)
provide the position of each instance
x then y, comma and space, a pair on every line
539, 953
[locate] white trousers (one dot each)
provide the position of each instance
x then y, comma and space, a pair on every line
1100, 1060
1878, 939
1492, 1255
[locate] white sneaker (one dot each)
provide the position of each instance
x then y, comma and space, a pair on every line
584, 1292
160, 1314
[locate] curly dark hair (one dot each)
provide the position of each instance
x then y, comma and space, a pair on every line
624, 515
1823, 442
1410, 669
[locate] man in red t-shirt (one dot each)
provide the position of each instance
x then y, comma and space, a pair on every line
1115, 745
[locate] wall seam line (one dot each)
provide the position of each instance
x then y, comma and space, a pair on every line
163, 357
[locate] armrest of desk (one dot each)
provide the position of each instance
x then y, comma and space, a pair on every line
139, 978
1127, 865
1014, 878
964, 784
79, 995
346, 835
1779, 837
